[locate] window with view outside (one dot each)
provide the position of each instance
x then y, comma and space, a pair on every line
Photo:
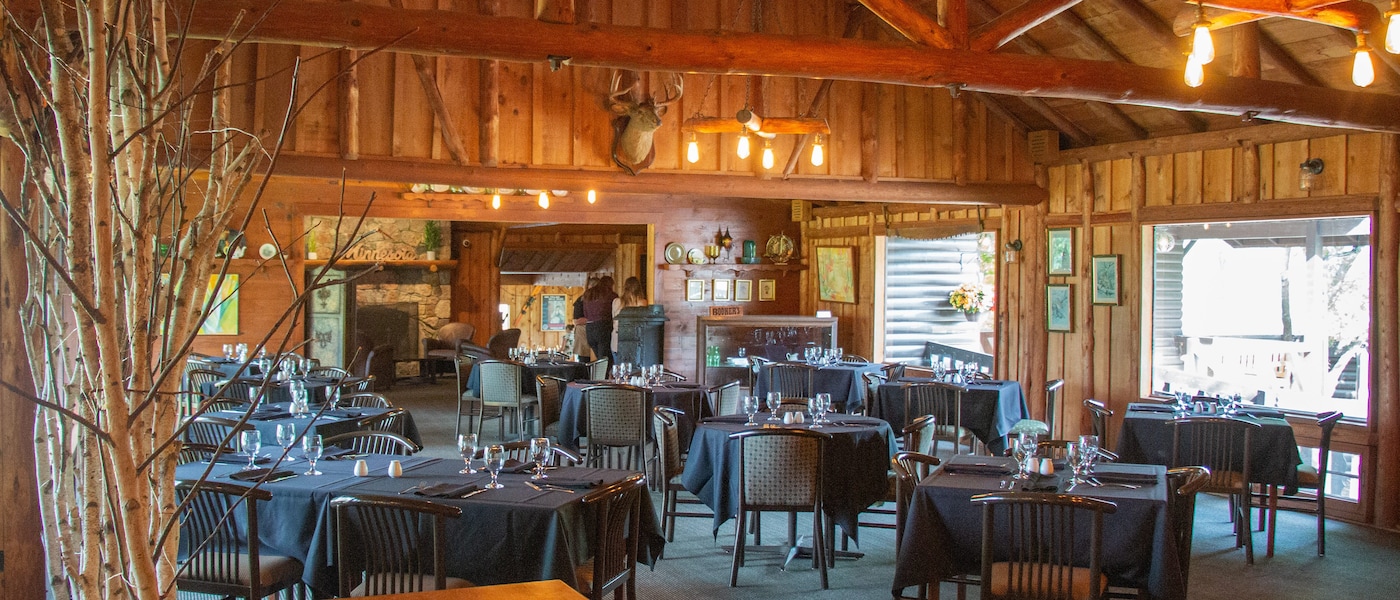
920, 278
1278, 312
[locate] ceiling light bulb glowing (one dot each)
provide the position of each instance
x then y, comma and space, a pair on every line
593, 195
767, 155
544, 199
1195, 72
692, 150
744, 146
1392, 30
1363, 71
818, 153
1202, 47
496, 201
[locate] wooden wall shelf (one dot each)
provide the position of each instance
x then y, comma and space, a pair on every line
431, 265
690, 269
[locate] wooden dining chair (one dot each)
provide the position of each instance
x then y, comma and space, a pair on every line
225, 556
550, 392
944, 402
215, 431
193, 453
1099, 415
381, 541
1039, 546
598, 370
781, 470
1312, 482
617, 425
617, 529
872, 381
792, 380
374, 442
465, 398
519, 451
501, 384
918, 439
1182, 485
1222, 446
391, 421
192, 399
909, 469
666, 429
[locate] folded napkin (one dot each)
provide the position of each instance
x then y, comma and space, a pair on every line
270, 414
260, 474
447, 489
338, 453
1041, 483
577, 484
349, 414
1262, 412
234, 458
1125, 477
1156, 408
517, 467
978, 468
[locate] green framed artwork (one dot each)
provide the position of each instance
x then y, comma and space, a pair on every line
223, 312
1061, 252
1059, 308
1105, 279
836, 274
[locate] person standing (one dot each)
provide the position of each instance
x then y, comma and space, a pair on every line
597, 309
632, 295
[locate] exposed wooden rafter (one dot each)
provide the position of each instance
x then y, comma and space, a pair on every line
996, 32
463, 34
1285, 62
911, 22
1354, 15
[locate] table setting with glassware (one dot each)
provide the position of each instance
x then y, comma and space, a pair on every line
545, 362
1146, 435
519, 522
833, 376
857, 457
690, 398
943, 528
990, 407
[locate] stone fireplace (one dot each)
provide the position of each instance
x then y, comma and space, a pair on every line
402, 306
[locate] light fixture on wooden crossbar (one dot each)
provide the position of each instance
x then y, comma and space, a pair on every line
1392, 30
747, 123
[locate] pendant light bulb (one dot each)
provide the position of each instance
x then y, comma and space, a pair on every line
692, 150
1392, 30
1195, 72
767, 155
744, 145
544, 199
496, 201
593, 195
1363, 71
818, 153
1202, 47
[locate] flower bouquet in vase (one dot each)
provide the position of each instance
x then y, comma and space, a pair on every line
970, 299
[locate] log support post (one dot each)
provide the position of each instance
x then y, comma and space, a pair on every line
349, 89
1086, 289
489, 124
1386, 498
1245, 58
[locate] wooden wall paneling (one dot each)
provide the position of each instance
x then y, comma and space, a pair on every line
978, 140
890, 123
1333, 152
517, 122
552, 135
1074, 193
413, 129
318, 125
1120, 196
476, 281
1287, 157
843, 113
263, 292
1266, 171
1186, 178
1126, 322
1033, 345
376, 75
1217, 181
243, 99
997, 146
201, 108
1160, 180
1055, 185
459, 80
937, 136
275, 88
1363, 163
1246, 173
592, 121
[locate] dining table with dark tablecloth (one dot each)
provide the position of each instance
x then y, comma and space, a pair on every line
855, 475
842, 380
503, 536
990, 408
943, 528
318, 389
566, 370
321, 420
693, 399
1146, 437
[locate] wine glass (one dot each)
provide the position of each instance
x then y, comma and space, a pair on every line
1089, 447
286, 437
333, 397
467, 445
824, 406
751, 409
252, 443
814, 409
228, 351
775, 401
312, 447
1074, 453
539, 452
1023, 449
495, 461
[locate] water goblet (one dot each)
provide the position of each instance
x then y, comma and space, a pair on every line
1074, 454
824, 405
467, 445
751, 409
775, 401
251, 441
836, 354
539, 452
228, 351
814, 411
1089, 447
312, 447
286, 436
495, 461
333, 397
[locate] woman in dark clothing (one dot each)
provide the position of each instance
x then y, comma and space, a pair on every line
597, 308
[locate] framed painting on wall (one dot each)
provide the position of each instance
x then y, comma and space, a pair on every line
1061, 252
223, 310
767, 290
743, 290
722, 290
554, 312
836, 274
695, 290
1059, 309
1105, 278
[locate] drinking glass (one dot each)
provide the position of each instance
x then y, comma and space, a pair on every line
539, 452
751, 409
333, 397
1074, 454
1024, 451
312, 447
836, 355
814, 410
824, 406
775, 401
252, 443
467, 445
1089, 447
228, 351
495, 461
286, 436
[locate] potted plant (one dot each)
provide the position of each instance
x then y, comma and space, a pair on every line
970, 299
432, 238
311, 247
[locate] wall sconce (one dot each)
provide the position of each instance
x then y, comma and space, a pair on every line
1013, 252
1308, 171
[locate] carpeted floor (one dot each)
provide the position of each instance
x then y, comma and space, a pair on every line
1360, 564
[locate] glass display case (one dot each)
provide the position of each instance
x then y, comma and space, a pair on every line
723, 345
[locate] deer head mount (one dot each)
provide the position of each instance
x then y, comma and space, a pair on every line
638, 119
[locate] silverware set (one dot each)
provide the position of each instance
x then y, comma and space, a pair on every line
548, 488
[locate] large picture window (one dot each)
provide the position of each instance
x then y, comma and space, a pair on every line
1278, 312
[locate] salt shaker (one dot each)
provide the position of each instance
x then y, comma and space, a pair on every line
361, 468
395, 468
1047, 466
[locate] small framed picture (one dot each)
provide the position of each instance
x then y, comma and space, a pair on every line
1061, 252
723, 290
695, 290
1106, 279
1059, 310
836, 273
743, 290
553, 312
767, 290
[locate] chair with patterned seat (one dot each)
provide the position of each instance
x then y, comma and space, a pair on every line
550, 392
214, 431
944, 402
781, 470
502, 382
726, 399
792, 380
666, 430
373, 442
381, 545
1222, 446
617, 529
1039, 549
465, 398
598, 370
617, 425
225, 557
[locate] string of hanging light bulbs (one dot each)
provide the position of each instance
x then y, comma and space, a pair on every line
1363, 68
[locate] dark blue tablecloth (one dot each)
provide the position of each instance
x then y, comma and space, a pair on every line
990, 409
1146, 437
503, 536
318, 388
843, 381
943, 533
855, 474
693, 399
568, 371
324, 423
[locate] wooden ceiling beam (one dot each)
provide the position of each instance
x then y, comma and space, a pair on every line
364, 26
1152, 24
994, 105
997, 32
911, 22
1278, 55
658, 183
1066, 126
1354, 15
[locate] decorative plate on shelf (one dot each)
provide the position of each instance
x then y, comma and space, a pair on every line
696, 256
780, 249
267, 251
675, 253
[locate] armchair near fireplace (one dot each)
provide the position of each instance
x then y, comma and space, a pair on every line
452, 339
373, 360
